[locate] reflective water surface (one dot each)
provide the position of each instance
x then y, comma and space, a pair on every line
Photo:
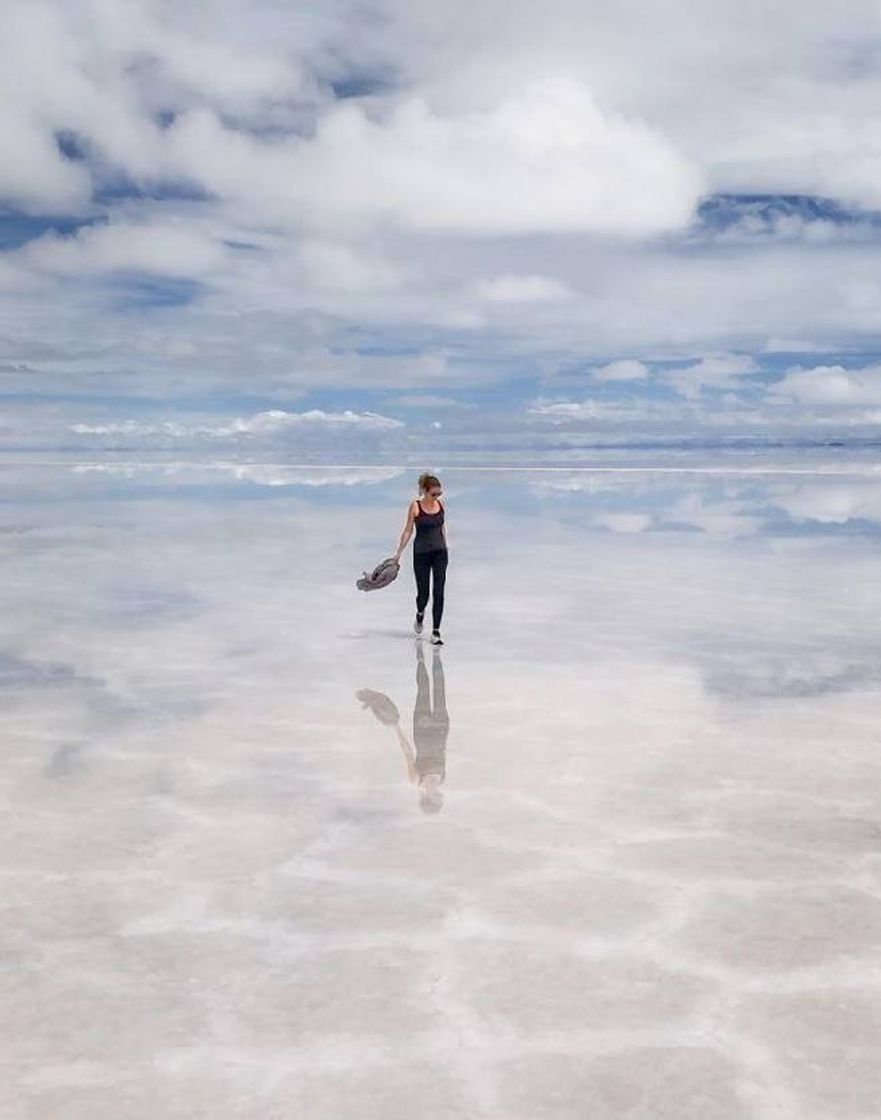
613, 851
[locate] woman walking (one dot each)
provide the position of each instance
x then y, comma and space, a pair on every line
426, 515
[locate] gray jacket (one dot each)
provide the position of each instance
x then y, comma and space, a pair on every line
381, 576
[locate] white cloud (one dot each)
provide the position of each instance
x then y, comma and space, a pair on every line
342, 267
277, 475
545, 158
566, 410
792, 346
104, 69
831, 385
166, 249
490, 89
624, 522
276, 420
785, 105
264, 424
128, 428
521, 289
717, 519
626, 369
716, 371
33, 177
262, 474
429, 401
507, 196
832, 502
590, 409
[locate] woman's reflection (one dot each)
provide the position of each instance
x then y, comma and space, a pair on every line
426, 756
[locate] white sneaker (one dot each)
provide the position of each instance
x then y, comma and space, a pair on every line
417, 625
436, 639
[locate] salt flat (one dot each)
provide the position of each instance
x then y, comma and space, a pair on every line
645, 881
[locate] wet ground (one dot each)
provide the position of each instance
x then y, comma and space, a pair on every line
614, 851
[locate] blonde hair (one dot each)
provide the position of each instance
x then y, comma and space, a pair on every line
427, 481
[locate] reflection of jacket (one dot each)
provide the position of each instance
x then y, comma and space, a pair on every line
381, 576
385, 710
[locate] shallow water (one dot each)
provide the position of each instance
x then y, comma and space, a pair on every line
626, 863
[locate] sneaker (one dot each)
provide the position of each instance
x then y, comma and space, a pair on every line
417, 625
436, 639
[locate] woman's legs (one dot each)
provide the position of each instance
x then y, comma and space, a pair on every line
439, 578
421, 569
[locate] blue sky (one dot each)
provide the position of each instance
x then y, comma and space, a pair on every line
244, 228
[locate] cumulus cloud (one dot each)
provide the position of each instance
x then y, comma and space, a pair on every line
105, 72
343, 268
545, 158
429, 401
521, 289
831, 385
787, 105
566, 410
270, 423
792, 346
832, 502
166, 249
624, 522
261, 474
278, 475
487, 88
276, 420
718, 519
625, 369
587, 410
716, 371
402, 195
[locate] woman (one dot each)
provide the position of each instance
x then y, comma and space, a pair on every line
426, 514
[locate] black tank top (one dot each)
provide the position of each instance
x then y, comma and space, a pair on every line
429, 534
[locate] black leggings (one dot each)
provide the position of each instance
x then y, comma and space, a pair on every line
424, 564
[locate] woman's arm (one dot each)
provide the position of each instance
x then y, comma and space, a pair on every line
407, 531
407, 751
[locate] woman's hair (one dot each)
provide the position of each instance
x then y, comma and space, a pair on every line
428, 481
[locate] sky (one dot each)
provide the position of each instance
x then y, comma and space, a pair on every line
346, 230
